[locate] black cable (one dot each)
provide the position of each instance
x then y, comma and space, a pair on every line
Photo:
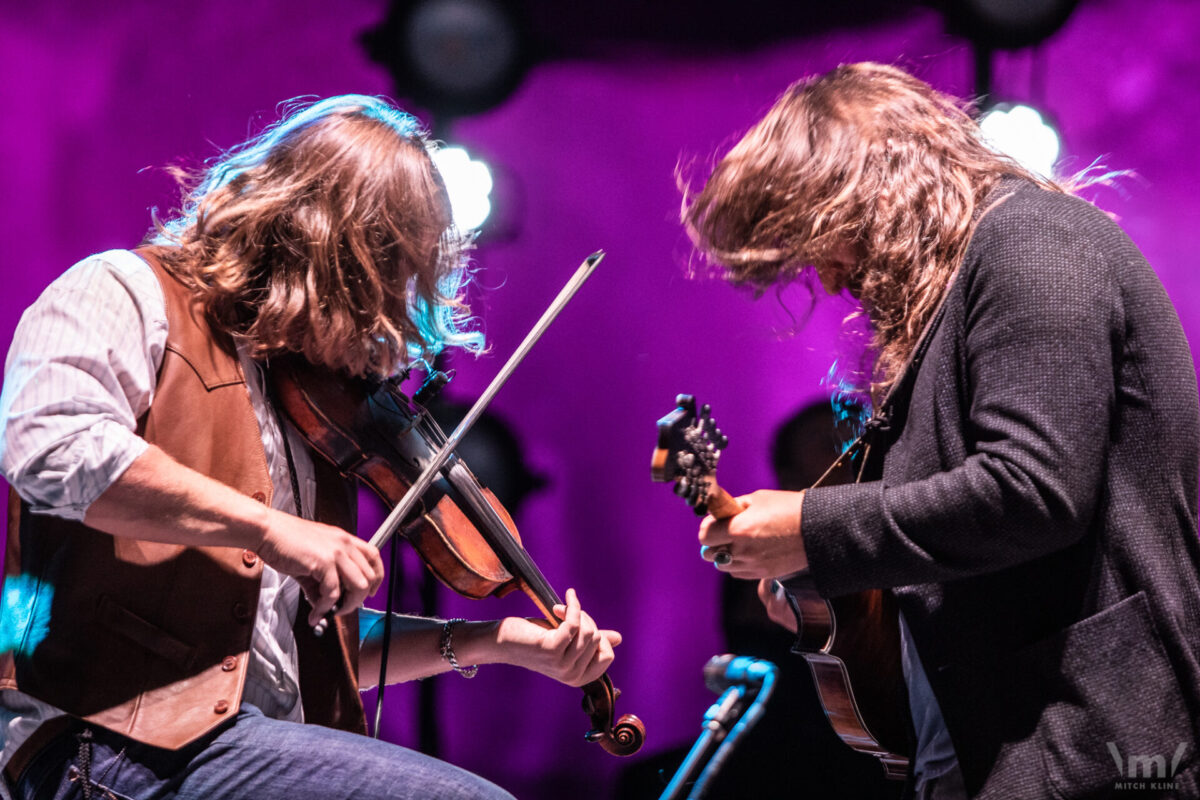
387, 639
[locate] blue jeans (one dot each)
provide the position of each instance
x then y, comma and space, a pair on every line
255, 758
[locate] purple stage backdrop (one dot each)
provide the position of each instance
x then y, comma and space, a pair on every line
99, 97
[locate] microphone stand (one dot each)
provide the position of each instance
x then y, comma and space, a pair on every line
739, 707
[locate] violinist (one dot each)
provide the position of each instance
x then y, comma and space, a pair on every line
1030, 490
172, 541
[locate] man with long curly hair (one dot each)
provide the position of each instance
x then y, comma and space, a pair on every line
172, 542
1029, 494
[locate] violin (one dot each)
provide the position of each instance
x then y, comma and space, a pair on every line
370, 430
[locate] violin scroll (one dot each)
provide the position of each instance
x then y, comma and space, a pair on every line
625, 737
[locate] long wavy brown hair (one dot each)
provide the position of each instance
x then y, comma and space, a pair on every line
868, 157
328, 234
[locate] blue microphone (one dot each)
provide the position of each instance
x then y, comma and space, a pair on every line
721, 672
744, 685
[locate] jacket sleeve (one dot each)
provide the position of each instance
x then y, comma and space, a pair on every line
1042, 328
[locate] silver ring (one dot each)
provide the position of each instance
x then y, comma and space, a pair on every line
722, 558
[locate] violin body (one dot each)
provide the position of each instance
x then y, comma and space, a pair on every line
371, 431
338, 410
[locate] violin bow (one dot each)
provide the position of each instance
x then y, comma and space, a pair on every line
421, 485
624, 736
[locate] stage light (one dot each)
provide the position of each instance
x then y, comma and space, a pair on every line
993, 25
469, 184
452, 57
1007, 24
1022, 133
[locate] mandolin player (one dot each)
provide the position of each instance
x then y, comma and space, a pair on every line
1028, 486
172, 543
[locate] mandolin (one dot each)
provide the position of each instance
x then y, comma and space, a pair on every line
851, 643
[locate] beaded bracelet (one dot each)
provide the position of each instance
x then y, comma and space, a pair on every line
447, 649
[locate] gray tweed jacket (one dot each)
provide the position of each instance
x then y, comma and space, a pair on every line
1036, 513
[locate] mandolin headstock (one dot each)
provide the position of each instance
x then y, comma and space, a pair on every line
689, 447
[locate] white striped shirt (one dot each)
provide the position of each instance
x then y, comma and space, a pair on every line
81, 371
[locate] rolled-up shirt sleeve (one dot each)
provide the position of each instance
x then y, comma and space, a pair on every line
80, 373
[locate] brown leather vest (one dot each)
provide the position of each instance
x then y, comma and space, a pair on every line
152, 640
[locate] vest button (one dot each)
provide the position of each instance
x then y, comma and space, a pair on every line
249, 558
221, 706
229, 664
259, 496
241, 612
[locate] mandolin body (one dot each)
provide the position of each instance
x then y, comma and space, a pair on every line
852, 647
